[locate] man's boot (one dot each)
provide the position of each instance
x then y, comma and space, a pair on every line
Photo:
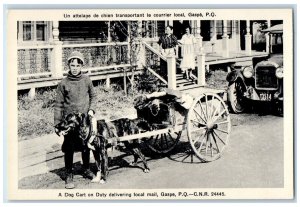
69, 181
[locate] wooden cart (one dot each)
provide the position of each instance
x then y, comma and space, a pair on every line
205, 119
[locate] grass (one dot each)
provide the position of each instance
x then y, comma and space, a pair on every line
36, 117
216, 79
112, 103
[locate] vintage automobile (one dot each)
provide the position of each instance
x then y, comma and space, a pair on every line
261, 82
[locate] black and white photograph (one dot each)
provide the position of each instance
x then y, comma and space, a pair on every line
150, 104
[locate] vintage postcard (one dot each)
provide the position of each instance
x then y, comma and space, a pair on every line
150, 104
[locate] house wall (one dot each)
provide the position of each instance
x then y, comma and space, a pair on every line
101, 50
214, 45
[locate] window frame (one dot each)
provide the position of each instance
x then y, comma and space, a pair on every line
230, 28
47, 32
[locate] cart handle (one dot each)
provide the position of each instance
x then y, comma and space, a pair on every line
168, 91
156, 95
146, 134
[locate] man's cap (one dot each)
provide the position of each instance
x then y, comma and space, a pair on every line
76, 54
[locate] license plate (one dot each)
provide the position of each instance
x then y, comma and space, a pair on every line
265, 96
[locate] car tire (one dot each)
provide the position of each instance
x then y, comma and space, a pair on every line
236, 100
279, 108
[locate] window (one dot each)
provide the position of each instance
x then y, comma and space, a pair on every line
229, 28
29, 31
83, 31
220, 28
41, 31
119, 31
205, 30
161, 28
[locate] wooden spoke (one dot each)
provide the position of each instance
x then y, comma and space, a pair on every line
192, 157
206, 105
199, 116
215, 119
166, 140
180, 155
206, 143
155, 140
164, 143
222, 131
202, 141
202, 111
217, 109
211, 107
219, 138
197, 122
199, 129
161, 141
223, 122
171, 137
187, 155
198, 138
214, 138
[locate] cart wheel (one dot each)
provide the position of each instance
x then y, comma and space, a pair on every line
208, 126
163, 143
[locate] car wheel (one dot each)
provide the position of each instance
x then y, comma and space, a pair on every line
279, 108
235, 97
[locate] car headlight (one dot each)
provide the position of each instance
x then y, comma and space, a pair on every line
248, 72
279, 72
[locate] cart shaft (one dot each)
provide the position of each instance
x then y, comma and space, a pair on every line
146, 134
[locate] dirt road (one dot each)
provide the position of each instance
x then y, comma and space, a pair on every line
253, 159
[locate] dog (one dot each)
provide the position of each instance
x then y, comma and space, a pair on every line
98, 142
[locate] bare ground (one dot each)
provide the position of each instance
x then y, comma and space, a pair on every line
254, 158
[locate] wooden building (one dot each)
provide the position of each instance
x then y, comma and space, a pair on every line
117, 48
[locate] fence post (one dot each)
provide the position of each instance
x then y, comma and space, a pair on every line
57, 67
107, 82
171, 64
140, 52
139, 47
201, 68
267, 42
225, 46
248, 44
199, 38
225, 40
248, 39
31, 93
